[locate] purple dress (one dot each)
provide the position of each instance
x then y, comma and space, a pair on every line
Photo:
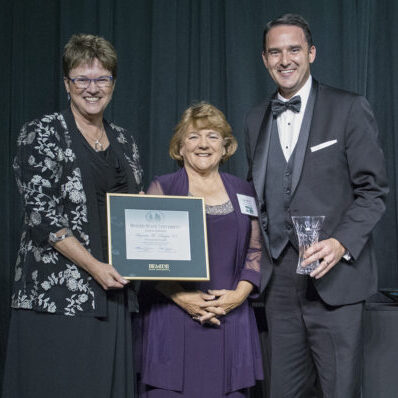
182, 358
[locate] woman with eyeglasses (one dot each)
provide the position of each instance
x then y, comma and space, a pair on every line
70, 330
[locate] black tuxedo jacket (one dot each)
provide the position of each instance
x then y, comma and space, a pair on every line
340, 174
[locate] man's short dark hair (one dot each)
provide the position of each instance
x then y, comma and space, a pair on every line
290, 19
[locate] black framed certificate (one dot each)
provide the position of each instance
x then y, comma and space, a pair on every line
157, 237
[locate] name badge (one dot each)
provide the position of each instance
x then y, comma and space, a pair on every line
247, 205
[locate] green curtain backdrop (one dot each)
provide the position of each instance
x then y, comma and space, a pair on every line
174, 52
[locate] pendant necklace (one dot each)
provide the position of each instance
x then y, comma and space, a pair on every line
98, 147
97, 144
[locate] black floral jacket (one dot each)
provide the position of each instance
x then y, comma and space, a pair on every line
56, 194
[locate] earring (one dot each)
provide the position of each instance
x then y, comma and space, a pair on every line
68, 96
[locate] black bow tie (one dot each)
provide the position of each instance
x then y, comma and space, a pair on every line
278, 106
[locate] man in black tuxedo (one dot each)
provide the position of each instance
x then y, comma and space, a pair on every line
313, 150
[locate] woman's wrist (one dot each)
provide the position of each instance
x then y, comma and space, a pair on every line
243, 291
171, 290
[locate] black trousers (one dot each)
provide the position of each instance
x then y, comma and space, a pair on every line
309, 340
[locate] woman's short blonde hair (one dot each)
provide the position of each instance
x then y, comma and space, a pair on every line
202, 116
84, 49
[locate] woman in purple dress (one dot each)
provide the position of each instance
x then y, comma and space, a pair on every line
200, 338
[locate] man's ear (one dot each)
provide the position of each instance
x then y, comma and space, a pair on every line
265, 60
312, 54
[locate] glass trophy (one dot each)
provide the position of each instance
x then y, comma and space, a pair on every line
307, 231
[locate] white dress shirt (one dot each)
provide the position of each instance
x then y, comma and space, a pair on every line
289, 122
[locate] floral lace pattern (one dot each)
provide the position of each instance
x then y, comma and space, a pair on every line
52, 189
134, 158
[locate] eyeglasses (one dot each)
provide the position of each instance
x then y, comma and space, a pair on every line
84, 82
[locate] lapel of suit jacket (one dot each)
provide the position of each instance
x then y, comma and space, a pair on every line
302, 142
261, 155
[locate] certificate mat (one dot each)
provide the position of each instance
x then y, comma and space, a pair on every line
157, 237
